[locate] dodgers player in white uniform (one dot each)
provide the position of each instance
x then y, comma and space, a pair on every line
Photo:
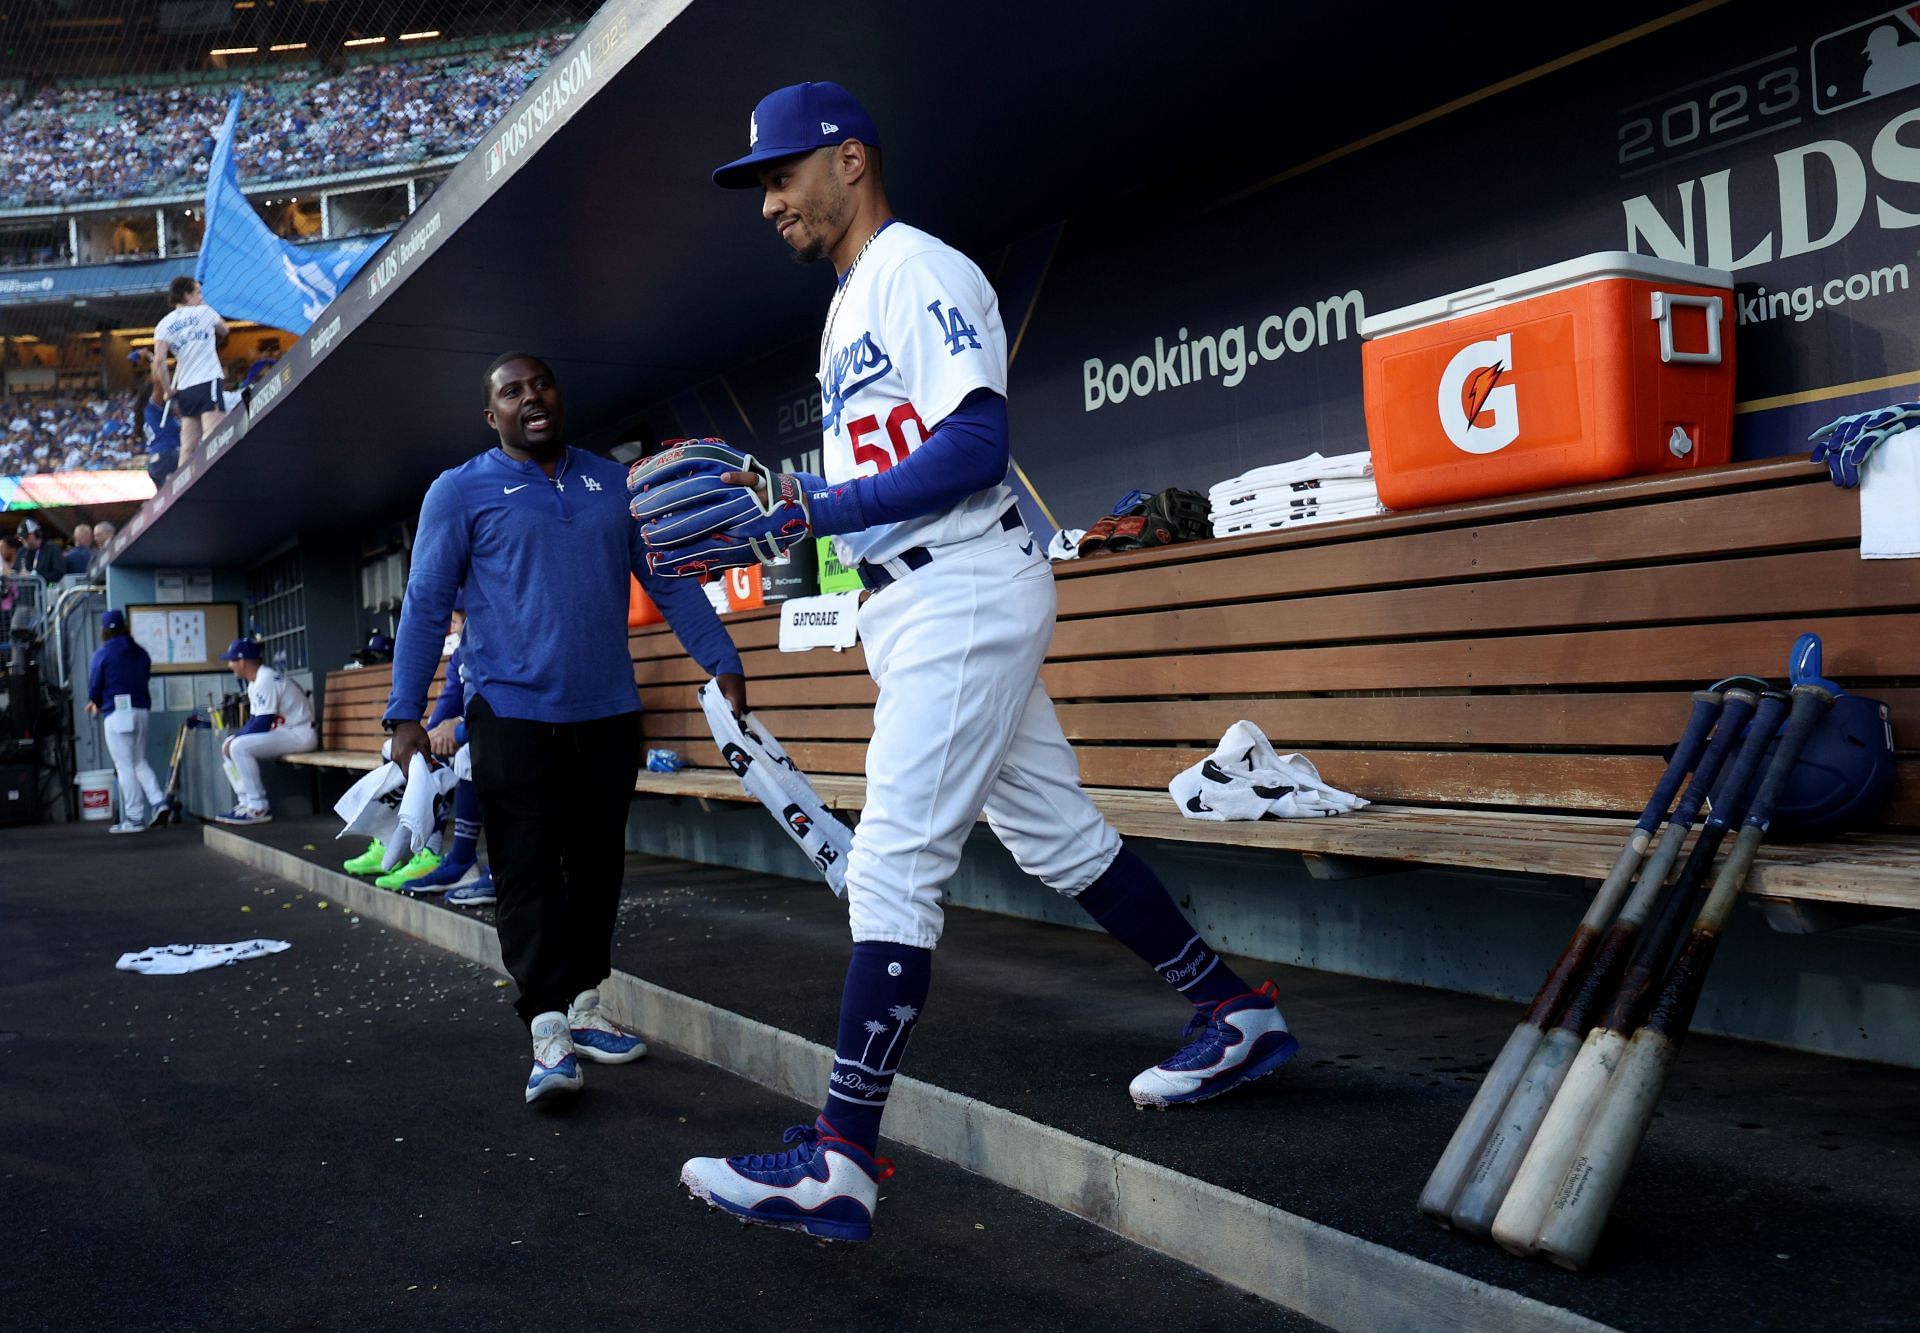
280, 722
191, 331
959, 613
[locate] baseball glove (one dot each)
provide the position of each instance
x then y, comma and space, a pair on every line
1171, 516
695, 523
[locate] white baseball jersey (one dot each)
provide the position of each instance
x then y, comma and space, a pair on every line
271, 694
914, 330
188, 330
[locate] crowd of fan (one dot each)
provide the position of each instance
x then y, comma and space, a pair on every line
70, 145
67, 432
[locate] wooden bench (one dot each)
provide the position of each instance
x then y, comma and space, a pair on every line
1499, 677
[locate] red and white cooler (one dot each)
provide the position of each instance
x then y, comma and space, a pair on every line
1611, 365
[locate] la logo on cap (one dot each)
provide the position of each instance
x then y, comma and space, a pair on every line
753, 131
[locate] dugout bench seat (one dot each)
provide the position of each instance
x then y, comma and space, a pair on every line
1499, 677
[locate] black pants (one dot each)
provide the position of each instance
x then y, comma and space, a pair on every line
554, 799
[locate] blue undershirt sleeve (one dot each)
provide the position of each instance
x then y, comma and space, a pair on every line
452, 702
688, 613
442, 549
967, 452
256, 725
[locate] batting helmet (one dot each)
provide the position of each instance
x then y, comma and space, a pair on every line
1844, 775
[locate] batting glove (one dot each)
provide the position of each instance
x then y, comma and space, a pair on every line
1844, 443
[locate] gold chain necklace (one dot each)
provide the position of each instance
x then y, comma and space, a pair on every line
840, 293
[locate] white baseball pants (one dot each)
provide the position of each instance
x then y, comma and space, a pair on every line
140, 791
246, 752
963, 724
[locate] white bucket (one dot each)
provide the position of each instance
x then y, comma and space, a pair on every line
96, 793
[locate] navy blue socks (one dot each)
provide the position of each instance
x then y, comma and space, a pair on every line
1133, 906
886, 989
466, 824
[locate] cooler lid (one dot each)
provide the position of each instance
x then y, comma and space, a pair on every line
1553, 278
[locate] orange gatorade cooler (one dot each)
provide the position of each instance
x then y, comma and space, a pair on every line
1606, 366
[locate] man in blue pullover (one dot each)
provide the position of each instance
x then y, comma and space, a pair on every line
117, 693
538, 536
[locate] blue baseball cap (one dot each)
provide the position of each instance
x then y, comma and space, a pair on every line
241, 650
113, 620
797, 120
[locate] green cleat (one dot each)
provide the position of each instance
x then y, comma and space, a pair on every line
424, 862
368, 862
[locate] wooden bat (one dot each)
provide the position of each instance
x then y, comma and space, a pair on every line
1517, 1225
1470, 1136
1513, 1131
1592, 1184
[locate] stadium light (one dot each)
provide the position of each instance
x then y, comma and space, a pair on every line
363, 41
234, 51
418, 36
289, 46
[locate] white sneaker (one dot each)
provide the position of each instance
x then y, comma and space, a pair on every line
128, 826
555, 1071
598, 1037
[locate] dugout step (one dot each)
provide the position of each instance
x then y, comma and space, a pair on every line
1770, 1192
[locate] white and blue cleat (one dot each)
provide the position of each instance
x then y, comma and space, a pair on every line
826, 1187
241, 815
597, 1037
556, 1073
477, 892
1235, 1042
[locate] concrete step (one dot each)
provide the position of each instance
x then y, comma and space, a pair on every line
1300, 1189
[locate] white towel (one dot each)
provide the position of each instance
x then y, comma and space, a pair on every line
173, 959
1250, 497
1241, 525
1245, 779
1311, 468
400, 814
775, 781
1890, 500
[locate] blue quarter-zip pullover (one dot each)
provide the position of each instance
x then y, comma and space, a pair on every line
545, 563
119, 666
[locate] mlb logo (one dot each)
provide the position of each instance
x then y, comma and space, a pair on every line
496, 157
1867, 60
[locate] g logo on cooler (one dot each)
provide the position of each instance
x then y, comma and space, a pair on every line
1471, 386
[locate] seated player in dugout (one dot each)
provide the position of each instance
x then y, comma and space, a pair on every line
279, 722
536, 538
960, 613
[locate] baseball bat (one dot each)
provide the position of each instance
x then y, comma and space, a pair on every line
1517, 1225
1470, 1136
1513, 1130
1586, 1196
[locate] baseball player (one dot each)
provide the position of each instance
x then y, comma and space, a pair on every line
959, 612
536, 539
191, 331
280, 721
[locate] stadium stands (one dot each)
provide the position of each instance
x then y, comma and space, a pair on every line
68, 144
67, 432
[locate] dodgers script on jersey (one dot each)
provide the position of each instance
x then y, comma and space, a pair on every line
917, 330
188, 330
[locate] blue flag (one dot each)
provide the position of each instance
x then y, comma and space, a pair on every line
246, 272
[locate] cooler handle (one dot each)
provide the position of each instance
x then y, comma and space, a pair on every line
1664, 304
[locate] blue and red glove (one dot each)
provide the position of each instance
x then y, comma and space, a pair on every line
695, 522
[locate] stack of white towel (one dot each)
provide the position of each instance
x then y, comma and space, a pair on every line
1313, 489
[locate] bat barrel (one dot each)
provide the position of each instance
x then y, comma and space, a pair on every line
1517, 1225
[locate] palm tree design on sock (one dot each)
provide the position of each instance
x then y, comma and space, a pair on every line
874, 1028
903, 1014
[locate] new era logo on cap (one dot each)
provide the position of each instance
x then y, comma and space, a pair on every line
797, 120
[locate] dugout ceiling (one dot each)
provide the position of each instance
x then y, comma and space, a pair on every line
585, 228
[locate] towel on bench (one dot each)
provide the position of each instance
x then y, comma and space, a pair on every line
1245, 779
